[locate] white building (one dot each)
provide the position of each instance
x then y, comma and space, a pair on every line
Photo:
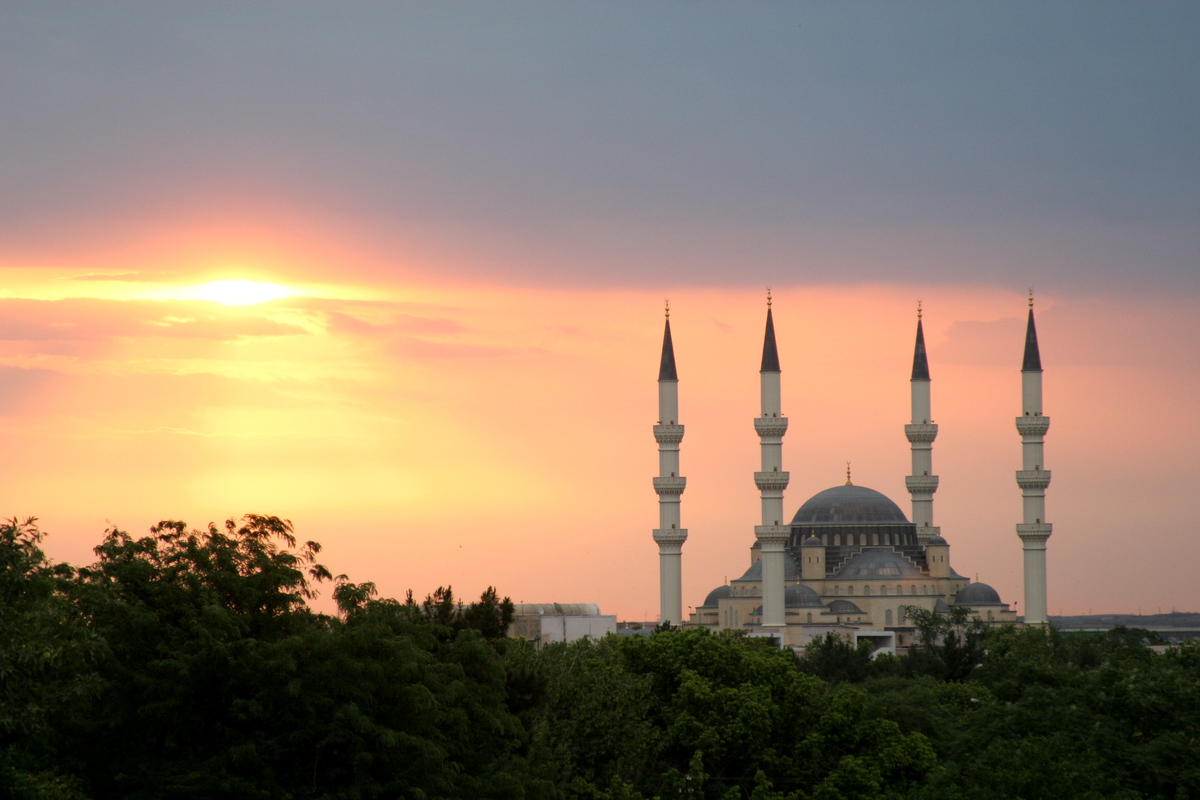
543, 623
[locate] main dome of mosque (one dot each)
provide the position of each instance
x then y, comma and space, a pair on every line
849, 505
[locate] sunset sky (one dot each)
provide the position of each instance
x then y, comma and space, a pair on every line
460, 221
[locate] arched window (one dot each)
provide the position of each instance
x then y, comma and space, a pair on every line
875, 538
899, 589
867, 591
810, 616
849, 590
883, 591
887, 617
837, 540
924, 589
887, 538
836, 591
900, 613
825, 538
912, 589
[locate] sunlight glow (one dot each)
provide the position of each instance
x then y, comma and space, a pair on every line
242, 293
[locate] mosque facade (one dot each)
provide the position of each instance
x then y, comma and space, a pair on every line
848, 560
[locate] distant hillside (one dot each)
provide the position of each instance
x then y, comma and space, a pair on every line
1176, 619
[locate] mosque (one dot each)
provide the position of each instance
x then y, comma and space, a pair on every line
849, 560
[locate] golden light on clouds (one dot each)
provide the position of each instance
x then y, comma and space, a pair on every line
240, 292
474, 434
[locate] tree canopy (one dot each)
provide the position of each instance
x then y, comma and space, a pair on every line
188, 663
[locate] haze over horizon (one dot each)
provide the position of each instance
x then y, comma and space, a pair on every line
471, 216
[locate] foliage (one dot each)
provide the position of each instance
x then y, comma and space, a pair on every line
46, 659
1056, 715
188, 664
836, 659
949, 645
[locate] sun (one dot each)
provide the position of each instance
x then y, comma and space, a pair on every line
242, 293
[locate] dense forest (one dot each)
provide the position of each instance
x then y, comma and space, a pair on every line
188, 663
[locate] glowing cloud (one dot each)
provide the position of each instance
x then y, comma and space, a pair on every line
241, 293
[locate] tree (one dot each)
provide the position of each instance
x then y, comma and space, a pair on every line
47, 658
949, 645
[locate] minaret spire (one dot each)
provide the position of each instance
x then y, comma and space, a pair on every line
773, 533
1033, 478
666, 368
770, 357
669, 485
921, 432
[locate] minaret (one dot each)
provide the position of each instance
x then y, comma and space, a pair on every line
669, 485
922, 483
1032, 478
772, 534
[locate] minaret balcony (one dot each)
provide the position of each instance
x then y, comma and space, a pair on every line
668, 434
927, 532
921, 433
1034, 532
771, 481
1033, 426
672, 485
1033, 478
772, 534
670, 536
921, 484
771, 426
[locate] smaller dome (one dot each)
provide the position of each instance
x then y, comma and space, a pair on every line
812, 541
879, 564
790, 573
936, 540
715, 595
844, 607
977, 594
800, 596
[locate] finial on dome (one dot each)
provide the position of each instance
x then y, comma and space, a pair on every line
667, 307
768, 297
848, 482
1031, 297
918, 308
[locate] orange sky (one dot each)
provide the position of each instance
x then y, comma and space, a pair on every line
434, 433
477, 212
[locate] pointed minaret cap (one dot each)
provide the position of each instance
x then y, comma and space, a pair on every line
666, 368
770, 359
1033, 359
920, 370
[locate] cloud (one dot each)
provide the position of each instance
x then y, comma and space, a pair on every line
718, 144
130, 277
19, 387
425, 350
96, 320
1115, 334
341, 322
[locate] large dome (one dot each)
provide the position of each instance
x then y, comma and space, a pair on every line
848, 505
